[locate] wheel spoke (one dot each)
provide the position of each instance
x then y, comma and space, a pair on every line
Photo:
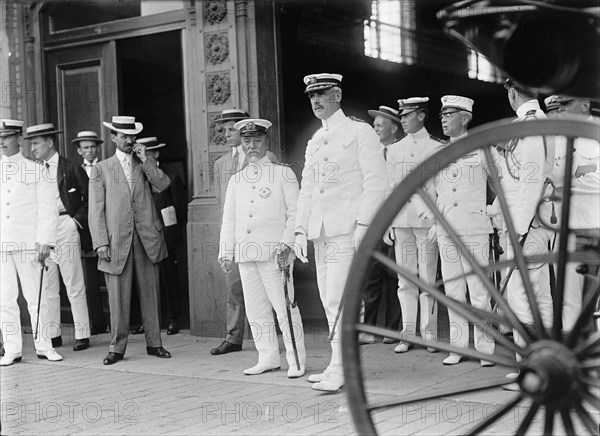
478, 269
563, 244
591, 381
433, 393
524, 426
588, 344
589, 397
443, 346
494, 180
587, 310
591, 363
567, 422
496, 416
589, 422
549, 421
461, 308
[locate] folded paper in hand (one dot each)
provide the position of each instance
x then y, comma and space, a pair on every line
169, 216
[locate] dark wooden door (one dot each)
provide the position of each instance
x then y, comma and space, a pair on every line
82, 92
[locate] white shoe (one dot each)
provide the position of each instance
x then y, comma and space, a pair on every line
365, 338
431, 338
8, 359
390, 340
402, 347
487, 363
260, 368
294, 372
316, 378
50, 354
332, 383
452, 359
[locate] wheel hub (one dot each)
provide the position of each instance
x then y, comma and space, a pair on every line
550, 373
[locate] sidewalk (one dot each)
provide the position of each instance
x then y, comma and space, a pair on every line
197, 393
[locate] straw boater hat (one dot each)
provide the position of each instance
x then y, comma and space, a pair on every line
151, 143
457, 102
87, 135
408, 105
232, 115
124, 125
317, 82
386, 112
253, 127
10, 127
41, 130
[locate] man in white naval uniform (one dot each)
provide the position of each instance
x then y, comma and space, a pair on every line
27, 231
528, 163
343, 185
258, 225
409, 233
70, 191
224, 168
461, 198
585, 192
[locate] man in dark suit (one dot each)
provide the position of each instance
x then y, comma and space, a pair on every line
71, 191
171, 208
88, 146
127, 234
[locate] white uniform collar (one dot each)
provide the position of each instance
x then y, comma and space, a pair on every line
17, 157
123, 157
421, 134
528, 106
456, 138
334, 120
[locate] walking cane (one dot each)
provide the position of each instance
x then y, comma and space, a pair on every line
284, 267
37, 323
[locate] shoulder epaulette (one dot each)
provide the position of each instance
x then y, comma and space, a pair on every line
530, 113
353, 118
435, 138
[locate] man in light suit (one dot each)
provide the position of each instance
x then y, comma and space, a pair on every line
343, 185
127, 234
461, 198
70, 191
258, 232
28, 223
409, 232
88, 147
224, 167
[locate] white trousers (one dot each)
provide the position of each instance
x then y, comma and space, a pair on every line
454, 264
333, 256
262, 284
573, 290
419, 256
20, 266
68, 259
539, 274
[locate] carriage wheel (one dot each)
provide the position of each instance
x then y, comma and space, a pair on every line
558, 371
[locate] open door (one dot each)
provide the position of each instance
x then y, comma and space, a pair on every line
82, 92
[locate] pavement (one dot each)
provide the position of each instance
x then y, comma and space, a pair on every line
197, 393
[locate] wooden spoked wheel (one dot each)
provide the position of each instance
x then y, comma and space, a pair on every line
558, 371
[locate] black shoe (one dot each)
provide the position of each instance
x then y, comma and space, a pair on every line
81, 344
158, 352
57, 341
226, 347
112, 358
173, 327
137, 330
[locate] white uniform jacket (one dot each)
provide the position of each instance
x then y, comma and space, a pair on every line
28, 204
343, 180
460, 194
259, 212
403, 157
525, 167
585, 189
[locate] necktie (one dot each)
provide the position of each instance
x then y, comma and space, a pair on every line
236, 161
385, 153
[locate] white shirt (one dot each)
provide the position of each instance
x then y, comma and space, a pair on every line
52, 165
87, 165
125, 161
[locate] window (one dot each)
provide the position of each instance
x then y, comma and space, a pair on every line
390, 32
482, 69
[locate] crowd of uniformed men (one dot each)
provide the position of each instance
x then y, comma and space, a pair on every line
53, 219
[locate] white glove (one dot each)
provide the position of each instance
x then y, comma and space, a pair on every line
359, 234
432, 234
389, 237
225, 264
301, 247
495, 215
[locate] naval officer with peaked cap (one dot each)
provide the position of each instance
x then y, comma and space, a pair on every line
343, 185
258, 226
